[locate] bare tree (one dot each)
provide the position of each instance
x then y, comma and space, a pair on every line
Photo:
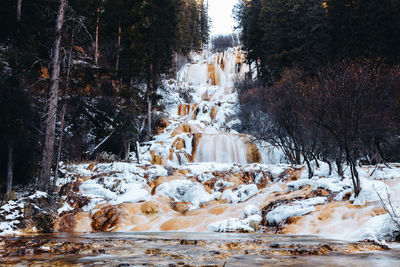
50, 123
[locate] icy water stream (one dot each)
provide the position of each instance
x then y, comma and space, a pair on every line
191, 249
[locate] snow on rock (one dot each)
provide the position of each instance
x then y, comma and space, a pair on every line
249, 224
250, 210
66, 207
229, 225
334, 185
240, 193
117, 189
185, 191
371, 191
11, 215
381, 227
296, 208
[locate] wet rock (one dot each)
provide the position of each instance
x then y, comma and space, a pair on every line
186, 109
181, 207
252, 153
290, 174
40, 212
116, 217
213, 113
161, 125
105, 219
91, 167
178, 144
179, 223
74, 222
213, 74
379, 211
157, 159
182, 128
150, 208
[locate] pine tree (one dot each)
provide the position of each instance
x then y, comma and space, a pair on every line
204, 24
365, 28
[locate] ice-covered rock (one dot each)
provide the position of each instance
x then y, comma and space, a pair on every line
249, 224
371, 191
381, 227
334, 185
296, 208
240, 193
250, 210
185, 191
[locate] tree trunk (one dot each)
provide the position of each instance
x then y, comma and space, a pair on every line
310, 169
137, 152
19, 8
330, 167
339, 166
96, 42
64, 109
354, 173
127, 149
149, 100
118, 46
62, 122
10, 168
50, 124
149, 107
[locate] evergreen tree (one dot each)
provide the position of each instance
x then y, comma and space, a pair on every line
284, 33
204, 23
366, 28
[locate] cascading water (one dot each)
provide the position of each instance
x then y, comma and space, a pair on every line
221, 148
190, 193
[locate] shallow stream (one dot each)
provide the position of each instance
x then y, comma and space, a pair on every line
190, 249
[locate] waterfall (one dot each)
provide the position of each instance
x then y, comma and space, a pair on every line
221, 148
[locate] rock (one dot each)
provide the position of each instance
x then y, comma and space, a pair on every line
163, 179
91, 167
161, 124
105, 219
40, 212
379, 211
195, 144
182, 128
157, 159
186, 109
252, 153
213, 74
178, 144
150, 208
290, 174
181, 207
113, 218
179, 223
74, 222
213, 113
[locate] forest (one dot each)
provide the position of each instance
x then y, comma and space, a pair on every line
328, 86
77, 73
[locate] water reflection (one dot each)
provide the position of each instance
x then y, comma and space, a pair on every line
199, 249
